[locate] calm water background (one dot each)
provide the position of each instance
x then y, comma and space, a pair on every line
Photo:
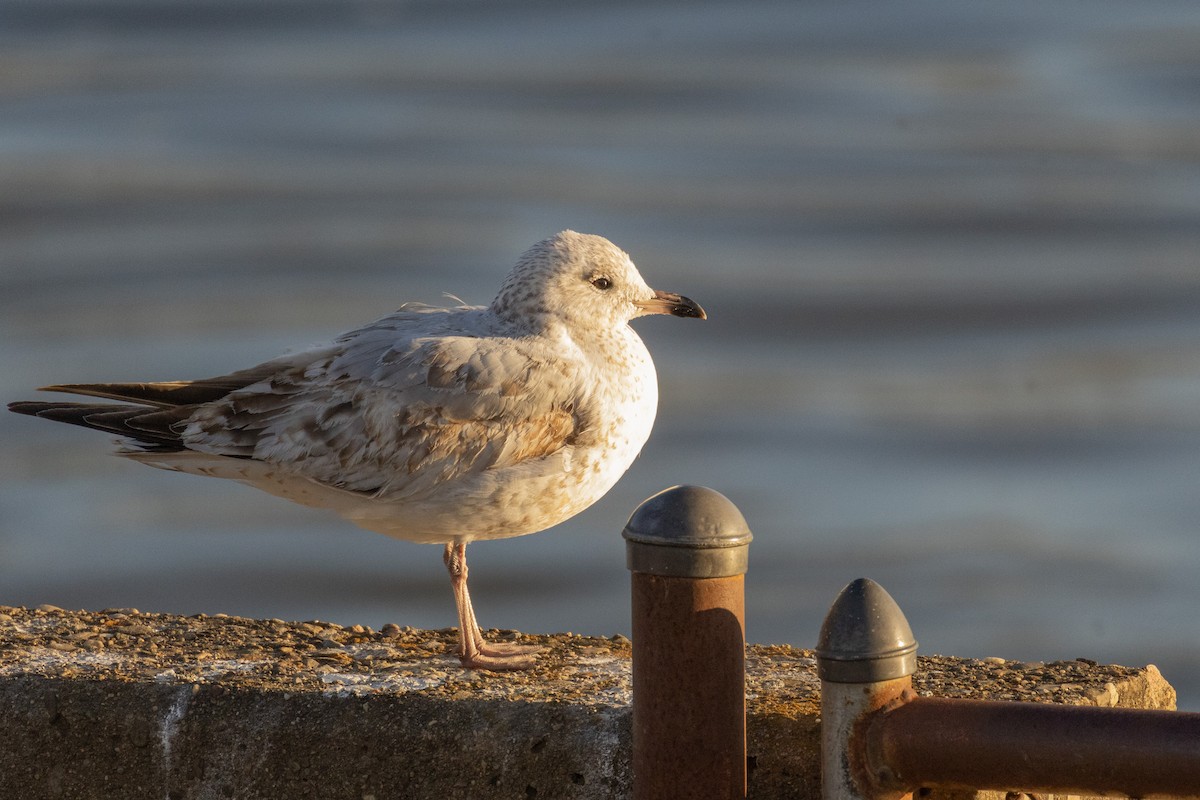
951, 254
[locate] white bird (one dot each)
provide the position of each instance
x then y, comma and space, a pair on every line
439, 425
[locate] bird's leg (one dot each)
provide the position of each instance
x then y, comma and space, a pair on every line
473, 651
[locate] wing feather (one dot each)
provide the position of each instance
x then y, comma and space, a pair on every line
169, 394
151, 428
396, 415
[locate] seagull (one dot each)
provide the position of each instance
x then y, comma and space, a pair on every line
434, 425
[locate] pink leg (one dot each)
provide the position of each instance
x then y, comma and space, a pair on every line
473, 651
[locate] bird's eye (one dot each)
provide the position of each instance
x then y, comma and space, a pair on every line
603, 284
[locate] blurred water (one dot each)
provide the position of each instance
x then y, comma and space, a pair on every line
950, 254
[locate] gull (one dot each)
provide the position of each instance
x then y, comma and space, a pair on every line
434, 425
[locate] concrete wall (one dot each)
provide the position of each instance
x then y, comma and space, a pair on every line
119, 704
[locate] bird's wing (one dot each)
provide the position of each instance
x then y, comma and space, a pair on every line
391, 413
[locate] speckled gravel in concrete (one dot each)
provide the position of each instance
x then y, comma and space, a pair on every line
124, 644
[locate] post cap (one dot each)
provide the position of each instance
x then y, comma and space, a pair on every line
865, 637
687, 532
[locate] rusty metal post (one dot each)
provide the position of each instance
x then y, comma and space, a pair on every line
687, 549
955, 744
866, 655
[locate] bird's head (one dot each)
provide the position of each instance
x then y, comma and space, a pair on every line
583, 279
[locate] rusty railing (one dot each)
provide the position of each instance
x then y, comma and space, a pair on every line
880, 740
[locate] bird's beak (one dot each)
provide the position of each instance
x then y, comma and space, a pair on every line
673, 304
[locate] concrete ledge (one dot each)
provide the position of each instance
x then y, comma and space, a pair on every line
123, 704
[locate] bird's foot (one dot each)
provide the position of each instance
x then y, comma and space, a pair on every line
499, 657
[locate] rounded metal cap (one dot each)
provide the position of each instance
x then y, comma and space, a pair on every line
687, 532
865, 637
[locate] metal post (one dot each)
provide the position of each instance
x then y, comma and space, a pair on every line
866, 656
956, 744
687, 549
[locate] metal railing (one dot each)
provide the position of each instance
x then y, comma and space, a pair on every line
880, 740
687, 549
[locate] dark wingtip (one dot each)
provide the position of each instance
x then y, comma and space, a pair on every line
26, 407
59, 412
